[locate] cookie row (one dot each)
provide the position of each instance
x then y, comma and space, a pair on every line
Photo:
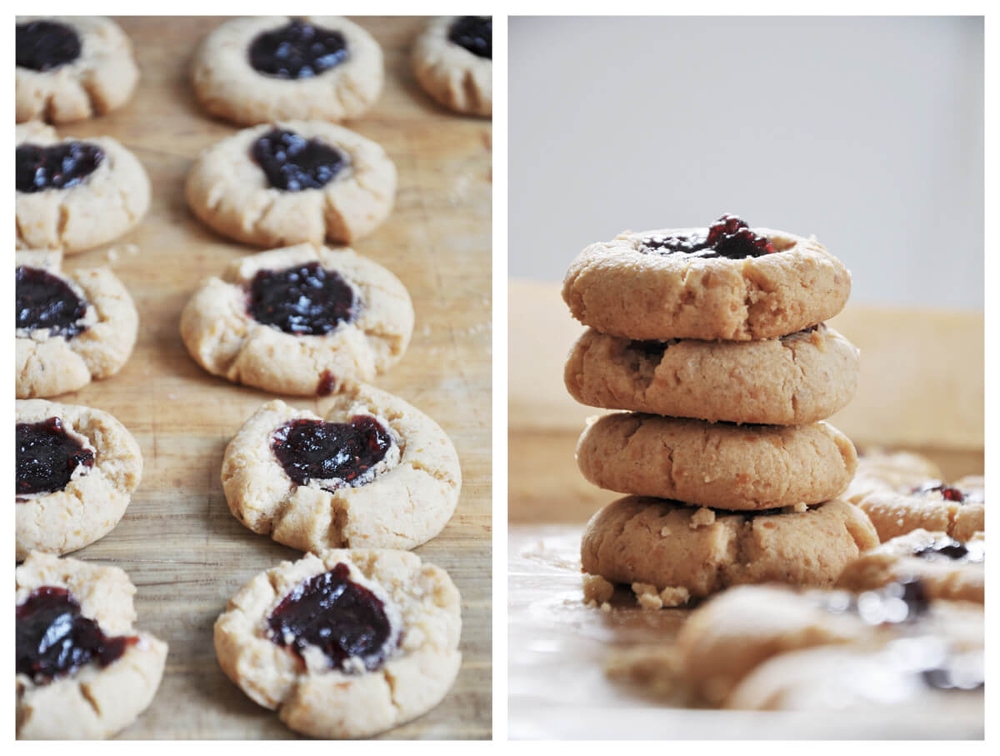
250, 70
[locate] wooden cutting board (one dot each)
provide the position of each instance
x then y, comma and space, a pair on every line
178, 541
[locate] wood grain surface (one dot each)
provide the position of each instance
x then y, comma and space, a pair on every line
178, 541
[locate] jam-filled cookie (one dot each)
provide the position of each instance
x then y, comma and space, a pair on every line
958, 509
76, 470
733, 467
346, 643
670, 553
375, 472
453, 61
70, 329
254, 70
299, 320
289, 182
724, 641
72, 194
83, 670
727, 281
948, 568
71, 68
795, 380
882, 470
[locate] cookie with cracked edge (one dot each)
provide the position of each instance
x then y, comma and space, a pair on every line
794, 380
455, 76
625, 289
719, 465
99, 78
103, 205
96, 699
228, 85
399, 668
658, 546
398, 497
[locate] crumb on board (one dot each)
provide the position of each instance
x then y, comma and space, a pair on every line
596, 589
702, 518
650, 597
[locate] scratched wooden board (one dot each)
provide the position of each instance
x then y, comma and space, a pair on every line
178, 541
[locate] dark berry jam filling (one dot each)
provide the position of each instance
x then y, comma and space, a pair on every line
57, 167
729, 237
55, 639
948, 493
47, 301
293, 163
473, 33
949, 548
306, 300
342, 619
316, 450
297, 50
44, 45
47, 457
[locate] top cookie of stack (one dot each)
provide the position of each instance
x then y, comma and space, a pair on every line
718, 324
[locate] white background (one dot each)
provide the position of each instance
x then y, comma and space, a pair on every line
866, 132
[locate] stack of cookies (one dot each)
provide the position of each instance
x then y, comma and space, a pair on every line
713, 340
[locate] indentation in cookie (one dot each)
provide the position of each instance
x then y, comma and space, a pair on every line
293, 163
729, 237
54, 639
45, 301
338, 454
473, 33
45, 45
59, 166
297, 50
948, 548
948, 493
48, 458
342, 619
305, 300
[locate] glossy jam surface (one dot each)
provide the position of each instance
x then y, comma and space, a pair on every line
317, 450
298, 50
306, 300
729, 237
54, 639
46, 301
342, 619
47, 457
948, 493
473, 33
59, 166
293, 163
949, 548
44, 45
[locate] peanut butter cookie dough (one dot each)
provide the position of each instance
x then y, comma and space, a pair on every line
299, 320
74, 195
102, 673
292, 181
725, 282
733, 467
76, 470
346, 643
374, 473
794, 380
670, 553
71, 68
69, 329
254, 70
453, 62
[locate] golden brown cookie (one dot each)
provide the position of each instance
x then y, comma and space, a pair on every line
71, 67
83, 670
795, 380
453, 62
675, 552
346, 643
374, 472
89, 336
958, 509
267, 68
732, 467
76, 470
300, 320
292, 181
726, 282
